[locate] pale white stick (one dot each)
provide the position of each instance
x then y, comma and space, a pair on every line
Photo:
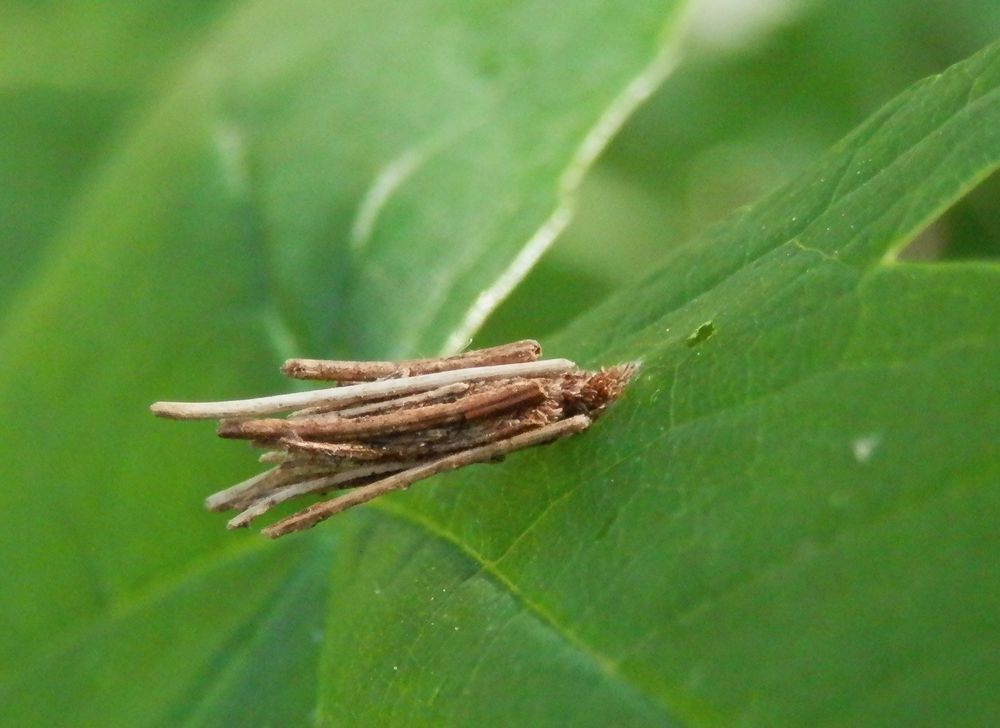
220, 501
356, 392
265, 503
268, 479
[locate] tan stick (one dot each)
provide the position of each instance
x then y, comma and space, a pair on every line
483, 404
312, 451
331, 450
309, 517
273, 457
366, 371
356, 393
262, 505
261, 482
462, 438
388, 404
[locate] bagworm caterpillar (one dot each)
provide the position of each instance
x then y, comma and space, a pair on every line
388, 425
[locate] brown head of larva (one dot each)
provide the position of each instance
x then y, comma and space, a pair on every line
591, 393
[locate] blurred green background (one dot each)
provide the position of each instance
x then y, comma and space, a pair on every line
762, 88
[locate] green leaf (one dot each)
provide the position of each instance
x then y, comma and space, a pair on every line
789, 519
734, 121
365, 178
71, 73
115, 46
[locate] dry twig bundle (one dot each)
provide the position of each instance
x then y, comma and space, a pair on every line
389, 424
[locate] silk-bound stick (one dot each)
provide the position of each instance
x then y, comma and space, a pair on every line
365, 371
491, 401
264, 503
395, 403
309, 517
249, 488
416, 419
406, 449
356, 393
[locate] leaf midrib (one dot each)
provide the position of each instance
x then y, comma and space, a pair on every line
158, 589
676, 708
604, 664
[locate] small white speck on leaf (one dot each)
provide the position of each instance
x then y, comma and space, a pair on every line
864, 447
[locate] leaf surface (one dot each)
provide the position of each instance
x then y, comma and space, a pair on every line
790, 517
72, 74
363, 178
